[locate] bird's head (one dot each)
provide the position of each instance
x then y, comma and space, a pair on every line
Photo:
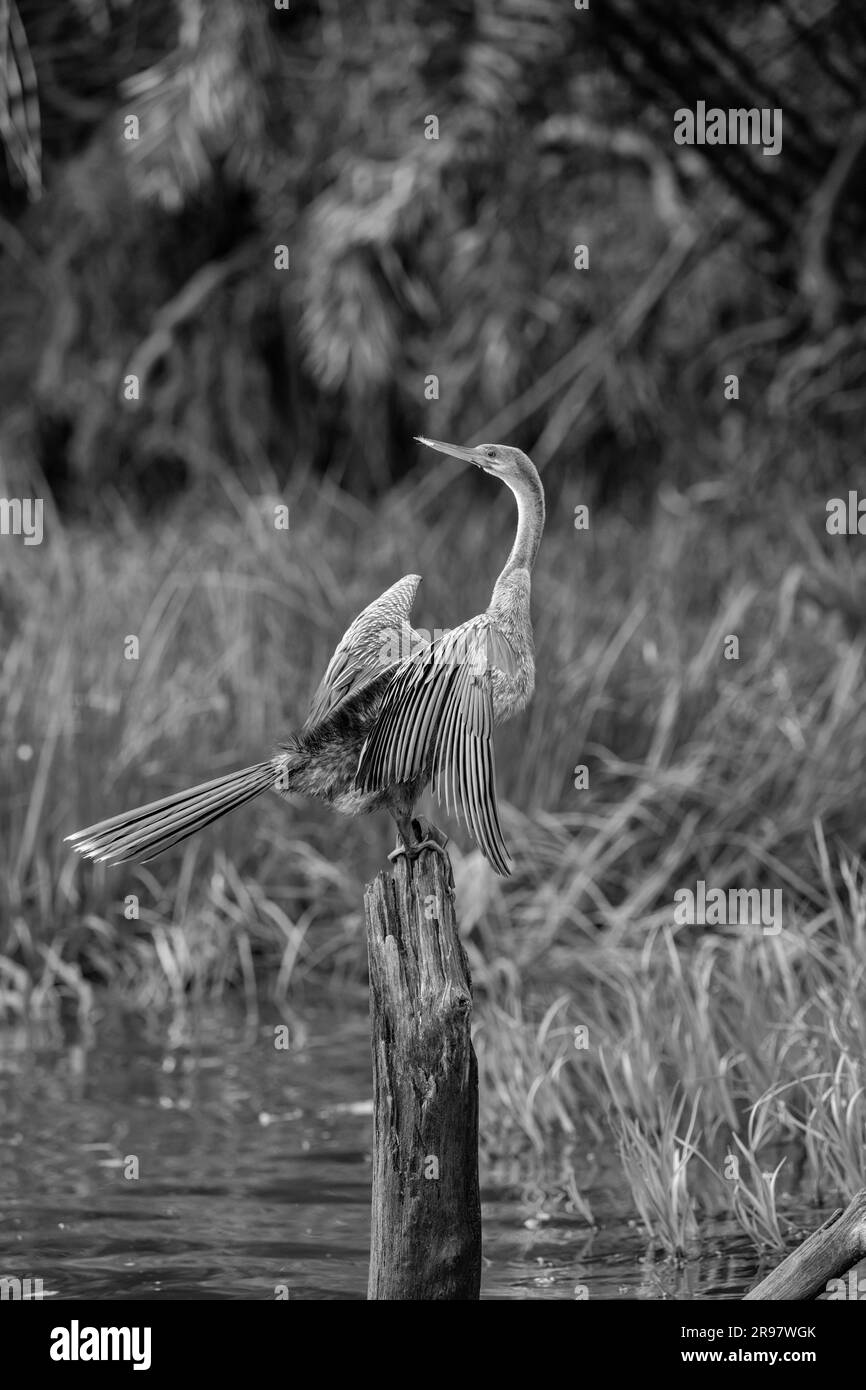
502, 460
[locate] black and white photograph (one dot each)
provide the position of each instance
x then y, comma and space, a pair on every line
432, 653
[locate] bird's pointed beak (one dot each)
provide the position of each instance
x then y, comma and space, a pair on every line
457, 451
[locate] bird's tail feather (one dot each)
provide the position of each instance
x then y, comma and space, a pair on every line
149, 830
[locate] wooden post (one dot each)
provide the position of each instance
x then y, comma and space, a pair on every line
828, 1253
426, 1227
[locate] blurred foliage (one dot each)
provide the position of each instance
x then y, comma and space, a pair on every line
412, 256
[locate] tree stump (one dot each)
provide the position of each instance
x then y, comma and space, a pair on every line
828, 1253
426, 1222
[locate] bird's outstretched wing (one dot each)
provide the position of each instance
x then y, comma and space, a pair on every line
376, 639
438, 714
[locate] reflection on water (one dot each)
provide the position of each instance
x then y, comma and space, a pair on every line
253, 1169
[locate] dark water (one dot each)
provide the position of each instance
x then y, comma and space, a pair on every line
254, 1172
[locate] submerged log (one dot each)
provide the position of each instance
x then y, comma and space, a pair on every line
426, 1225
827, 1254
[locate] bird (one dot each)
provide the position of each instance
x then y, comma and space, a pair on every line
385, 722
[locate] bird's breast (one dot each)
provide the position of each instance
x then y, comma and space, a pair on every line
512, 693
509, 610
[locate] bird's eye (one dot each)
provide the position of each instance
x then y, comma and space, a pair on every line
491, 453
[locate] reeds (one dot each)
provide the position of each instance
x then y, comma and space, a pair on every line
598, 1016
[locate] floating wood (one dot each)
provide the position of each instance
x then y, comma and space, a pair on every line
827, 1254
426, 1226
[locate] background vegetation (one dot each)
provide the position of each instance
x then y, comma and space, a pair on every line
412, 257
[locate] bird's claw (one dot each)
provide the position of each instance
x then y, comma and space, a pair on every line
413, 849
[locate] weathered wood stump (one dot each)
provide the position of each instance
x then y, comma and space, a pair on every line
827, 1254
426, 1226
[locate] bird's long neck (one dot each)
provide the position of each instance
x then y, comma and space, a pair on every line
509, 602
530, 524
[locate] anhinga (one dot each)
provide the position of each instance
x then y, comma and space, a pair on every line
382, 726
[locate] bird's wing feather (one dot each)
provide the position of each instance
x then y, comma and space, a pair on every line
437, 713
363, 650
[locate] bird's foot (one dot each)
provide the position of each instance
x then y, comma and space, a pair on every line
428, 838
